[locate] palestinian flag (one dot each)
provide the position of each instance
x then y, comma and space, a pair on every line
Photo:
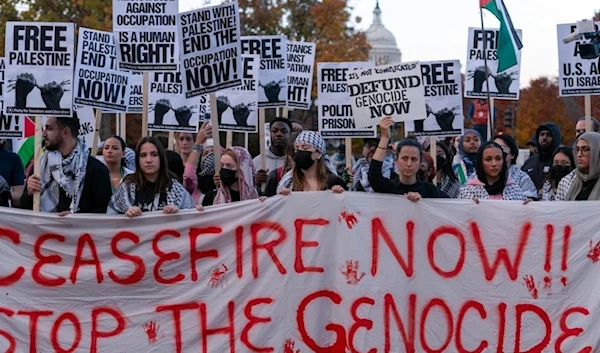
25, 147
509, 43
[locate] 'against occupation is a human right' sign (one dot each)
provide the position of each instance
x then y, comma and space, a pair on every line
394, 90
210, 49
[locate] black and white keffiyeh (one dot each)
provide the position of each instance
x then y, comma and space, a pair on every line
66, 173
124, 198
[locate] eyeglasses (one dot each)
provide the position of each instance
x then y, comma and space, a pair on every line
584, 150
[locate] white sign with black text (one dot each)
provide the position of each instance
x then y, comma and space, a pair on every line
576, 76
300, 64
2, 68
482, 47
11, 126
99, 83
136, 92
210, 49
237, 107
39, 60
169, 109
145, 34
272, 90
336, 119
443, 97
87, 124
392, 90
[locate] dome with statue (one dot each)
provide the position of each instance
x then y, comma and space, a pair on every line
384, 49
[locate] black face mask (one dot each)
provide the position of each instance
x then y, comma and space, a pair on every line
440, 161
558, 172
303, 159
206, 183
228, 176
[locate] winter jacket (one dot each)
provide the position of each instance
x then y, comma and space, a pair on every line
538, 166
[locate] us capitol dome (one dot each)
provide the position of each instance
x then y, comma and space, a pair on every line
384, 49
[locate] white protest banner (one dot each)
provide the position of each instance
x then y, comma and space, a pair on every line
273, 68
300, 65
11, 126
145, 34
267, 136
87, 123
136, 93
503, 85
443, 97
39, 68
236, 107
315, 272
336, 119
395, 90
169, 109
2, 68
576, 76
99, 83
209, 48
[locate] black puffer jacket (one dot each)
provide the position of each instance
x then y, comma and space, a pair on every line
538, 167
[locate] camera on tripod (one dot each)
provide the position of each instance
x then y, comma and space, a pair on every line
586, 29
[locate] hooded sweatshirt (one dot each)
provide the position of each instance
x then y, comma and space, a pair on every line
538, 166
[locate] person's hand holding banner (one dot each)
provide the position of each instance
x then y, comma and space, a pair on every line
386, 126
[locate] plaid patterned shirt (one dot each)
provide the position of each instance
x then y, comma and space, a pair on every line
524, 181
564, 185
512, 192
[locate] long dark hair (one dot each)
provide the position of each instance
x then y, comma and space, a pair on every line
323, 173
512, 145
480, 171
123, 146
164, 181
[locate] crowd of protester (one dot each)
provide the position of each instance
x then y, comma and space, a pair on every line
151, 178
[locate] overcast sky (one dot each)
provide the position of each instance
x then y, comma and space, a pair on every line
438, 29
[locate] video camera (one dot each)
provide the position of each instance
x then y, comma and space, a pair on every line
587, 30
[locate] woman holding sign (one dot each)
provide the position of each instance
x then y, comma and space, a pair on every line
492, 181
312, 171
150, 187
408, 159
113, 153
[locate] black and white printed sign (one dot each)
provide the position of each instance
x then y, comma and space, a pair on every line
210, 49
2, 67
136, 93
392, 90
169, 109
503, 85
99, 84
87, 123
205, 108
11, 126
39, 60
300, 63
272, 91
336, 119
145, 34
577, 76
237, 107
443, 97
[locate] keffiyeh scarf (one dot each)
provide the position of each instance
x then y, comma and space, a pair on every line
124, 197
246, 173
66, 173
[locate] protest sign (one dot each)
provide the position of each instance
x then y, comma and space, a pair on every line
315, 272
209, 48
39, 68
136, 93
11, 126
300, 65
169, 109
577, 76
237, 107
336, 118
2, 68
504, 85
395, 90
443, 97
87, 124
267, 136
99, 83
273, 68
205, 107
145, 34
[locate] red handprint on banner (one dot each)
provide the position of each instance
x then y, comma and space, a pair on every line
288, 346
530, 285
217, 277
349, 217
350, 271
594, 253
151, 330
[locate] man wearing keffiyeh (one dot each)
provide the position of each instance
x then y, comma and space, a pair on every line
71, 180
